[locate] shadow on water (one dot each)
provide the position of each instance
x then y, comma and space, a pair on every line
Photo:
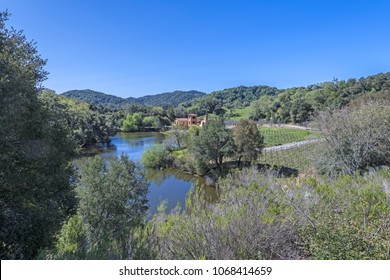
168, 184
173, 186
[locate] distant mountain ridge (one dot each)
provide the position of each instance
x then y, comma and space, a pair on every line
163, 99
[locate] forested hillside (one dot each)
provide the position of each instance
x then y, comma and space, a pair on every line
98, 98
170, 98
297, 105
88, 124
291, 105
114, 102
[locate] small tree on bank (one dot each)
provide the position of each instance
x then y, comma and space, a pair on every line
248, 140
179, 135
213, 143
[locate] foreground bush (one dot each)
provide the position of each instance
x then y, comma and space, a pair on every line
259, 216
357, 137
249, 222
112, 205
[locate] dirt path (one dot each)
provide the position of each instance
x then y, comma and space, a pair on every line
294, 126
291, 145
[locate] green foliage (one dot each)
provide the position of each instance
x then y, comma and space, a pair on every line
350, 219
110, 101
193, 130
87, 124
185, 161
169, 98
247, 140
35, 153
247, 222
357, 137
72, 240
136, 122
213, 143
260, 216
112, 202
149, 121
157, 156
98, 98
238, 114
238, 97
261, 108
179, 135
131, 122
298, 105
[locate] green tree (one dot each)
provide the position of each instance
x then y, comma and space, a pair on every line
149, 122
209, 104
213, 143
131, 122
72, 240
179, 135
35, 153
247, 140
87, 124
112, 203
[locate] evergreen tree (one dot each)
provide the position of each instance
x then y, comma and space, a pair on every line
248, 140
35, 152
213, 143
112, 202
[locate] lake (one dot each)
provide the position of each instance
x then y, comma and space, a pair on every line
168, 184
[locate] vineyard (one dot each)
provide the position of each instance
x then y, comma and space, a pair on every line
298, 157
279, 136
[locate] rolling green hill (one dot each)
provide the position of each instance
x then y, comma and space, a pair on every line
98, 98
291, 105
111, 101
170, 98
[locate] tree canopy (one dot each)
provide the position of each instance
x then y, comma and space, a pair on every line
35, 153
248, 140
213, 143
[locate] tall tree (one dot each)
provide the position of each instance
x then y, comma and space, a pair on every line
179, 135
112, 202
213, 143
35, 152
248, 140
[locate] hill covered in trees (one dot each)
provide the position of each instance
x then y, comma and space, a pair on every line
291, 105
163, 99
223, 102
98, 98
299, 104
170, 98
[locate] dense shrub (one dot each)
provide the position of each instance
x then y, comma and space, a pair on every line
260, 216
357, 137
157, 156
188, 163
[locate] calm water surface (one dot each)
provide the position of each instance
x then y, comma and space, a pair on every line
167, 184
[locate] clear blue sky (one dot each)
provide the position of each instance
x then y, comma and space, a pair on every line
139, 47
